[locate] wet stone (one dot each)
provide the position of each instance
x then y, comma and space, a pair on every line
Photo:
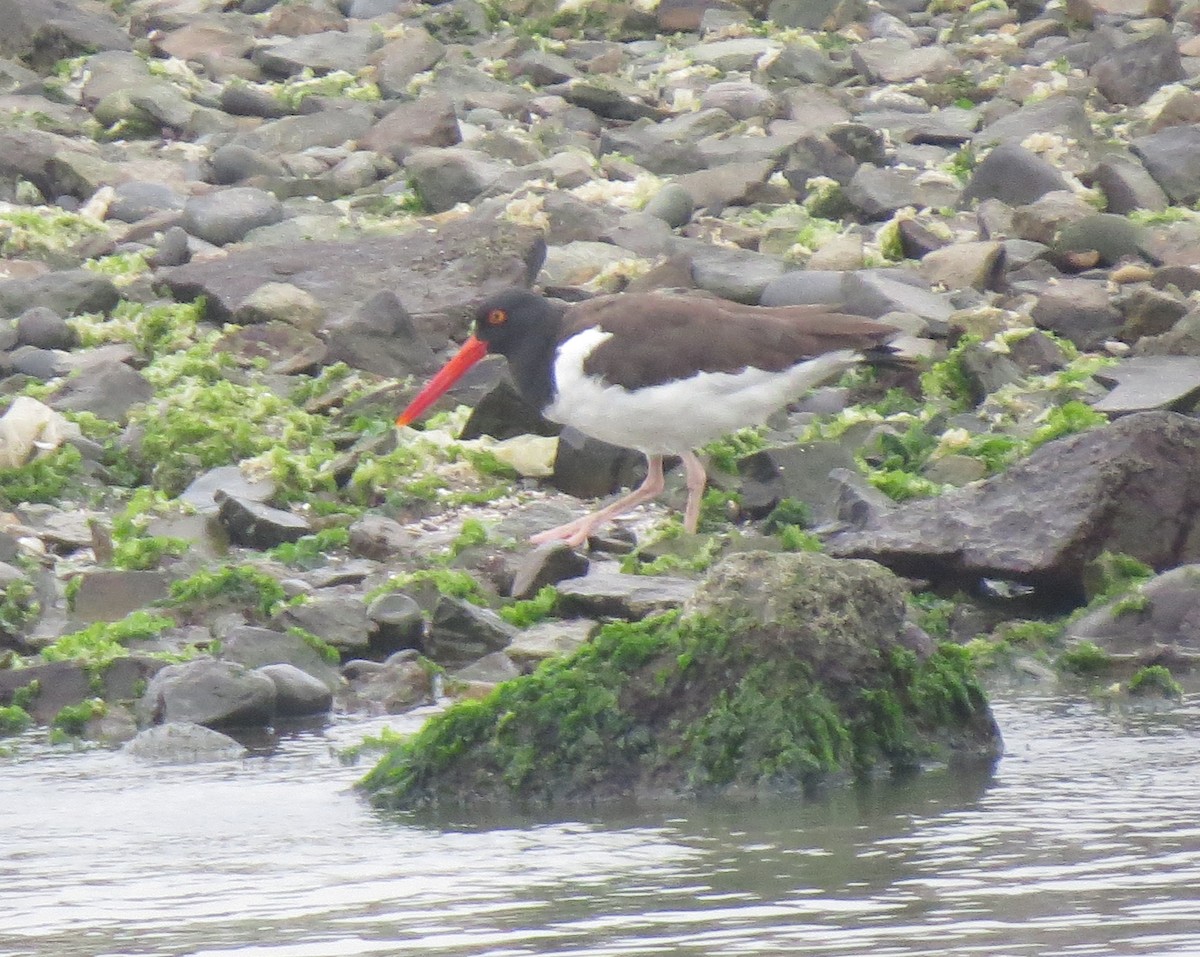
254, 525
297, 693
604, 593
461, 632
1144, 383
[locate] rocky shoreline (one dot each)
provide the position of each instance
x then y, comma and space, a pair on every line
235, 236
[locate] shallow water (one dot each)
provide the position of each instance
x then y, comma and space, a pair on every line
1085, 839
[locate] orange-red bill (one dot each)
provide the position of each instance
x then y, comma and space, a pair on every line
471, 352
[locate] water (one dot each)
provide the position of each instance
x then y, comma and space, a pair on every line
1085, 840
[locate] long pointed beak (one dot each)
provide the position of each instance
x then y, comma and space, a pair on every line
471, 352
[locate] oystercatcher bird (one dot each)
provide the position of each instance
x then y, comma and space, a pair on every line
662, 373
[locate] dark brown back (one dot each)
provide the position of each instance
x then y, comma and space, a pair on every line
659, 337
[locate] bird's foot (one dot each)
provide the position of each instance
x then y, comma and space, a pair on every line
573, 534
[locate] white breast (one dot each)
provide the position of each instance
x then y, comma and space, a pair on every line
682, 415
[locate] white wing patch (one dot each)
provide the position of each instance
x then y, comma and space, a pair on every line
677, 416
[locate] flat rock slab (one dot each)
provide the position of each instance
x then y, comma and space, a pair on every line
431, 271
611, 594
1164, 626
1145, 383
1129, 488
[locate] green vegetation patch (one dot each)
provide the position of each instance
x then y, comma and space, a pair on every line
1155, 680
239, 585
14, 719
104, 641
676, 705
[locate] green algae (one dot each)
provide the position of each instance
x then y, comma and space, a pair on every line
674, 705
1155, 680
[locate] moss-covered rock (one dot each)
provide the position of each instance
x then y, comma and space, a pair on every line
784, 672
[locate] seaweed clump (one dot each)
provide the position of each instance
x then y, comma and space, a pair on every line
787, 672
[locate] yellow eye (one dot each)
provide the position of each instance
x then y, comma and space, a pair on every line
497, 317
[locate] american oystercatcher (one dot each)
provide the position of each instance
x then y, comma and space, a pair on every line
662, 373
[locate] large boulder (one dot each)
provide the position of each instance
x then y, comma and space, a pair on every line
432, 272
1129, 487
216, 694
784, 672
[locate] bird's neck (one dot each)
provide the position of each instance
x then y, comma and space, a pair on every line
532, 363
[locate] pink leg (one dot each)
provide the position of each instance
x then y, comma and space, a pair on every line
576, 533
697, 478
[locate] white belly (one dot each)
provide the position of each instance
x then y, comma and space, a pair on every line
682, 415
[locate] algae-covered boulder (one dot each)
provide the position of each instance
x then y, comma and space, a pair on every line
783, 672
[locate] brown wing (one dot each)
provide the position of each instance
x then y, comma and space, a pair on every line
659, 337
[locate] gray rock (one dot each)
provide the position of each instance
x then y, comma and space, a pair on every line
739, 54
1113, 237
428, 121
239, 99
549, 639
340, 620
255, 525
1136, 71
137, 200
797, 472
319, 52
545, 565
380, 538
741, 99
445, 177
438, 272
895, 61
588, 468
1125, 488
400, 60
66, 293
399, 684
257, 648
673, 204
225, 216
490, 669
805, 287
1170, 158
1062, 114
460, 632
1163, 623
294, 134
737, 274
108, 389
44, 328
874, 293
1079, 310
543, 68
876, 193
965, 265
215, 694
1014, 175
609, 100
43, 364
225, 481
379, 336
730, 184
234, 162
1145, 383
111, 594
297, 694
180, 742
172, 249
41, 32
604, 593
397, 623
1149, 312
1127, 186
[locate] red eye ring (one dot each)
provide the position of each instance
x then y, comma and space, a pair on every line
497, 317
